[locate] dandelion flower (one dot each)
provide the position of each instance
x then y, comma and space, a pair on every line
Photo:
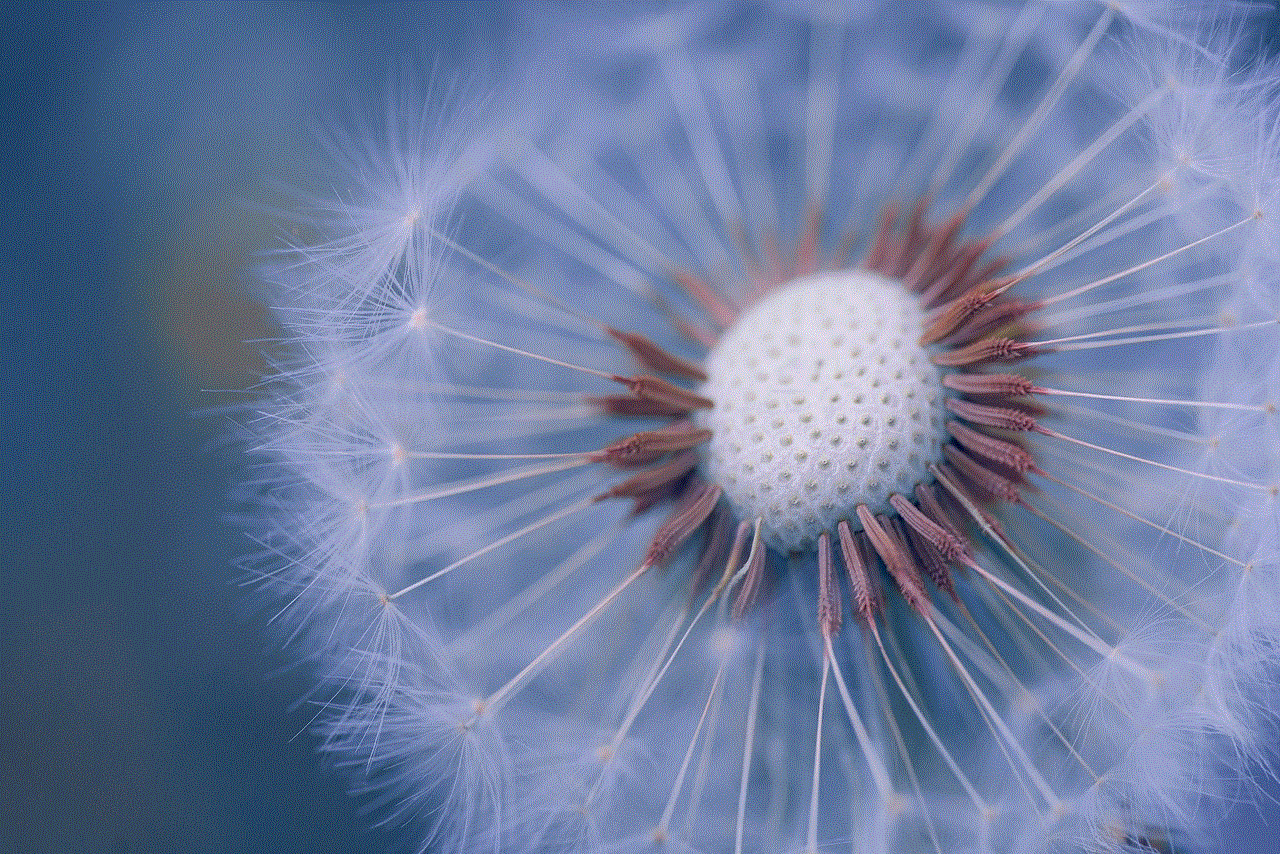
797, 428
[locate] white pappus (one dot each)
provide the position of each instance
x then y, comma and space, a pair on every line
796, 428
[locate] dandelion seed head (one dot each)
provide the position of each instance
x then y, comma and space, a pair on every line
832, 431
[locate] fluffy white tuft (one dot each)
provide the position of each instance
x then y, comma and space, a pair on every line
501, 669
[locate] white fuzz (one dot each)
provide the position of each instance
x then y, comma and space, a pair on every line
573, 402
823, 401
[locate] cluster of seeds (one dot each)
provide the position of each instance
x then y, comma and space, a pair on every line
847, 406
815, 563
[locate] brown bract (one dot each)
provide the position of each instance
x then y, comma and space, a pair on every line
972, 324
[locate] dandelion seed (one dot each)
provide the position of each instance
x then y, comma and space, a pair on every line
862, 440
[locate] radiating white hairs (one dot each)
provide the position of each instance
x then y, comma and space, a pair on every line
499, 666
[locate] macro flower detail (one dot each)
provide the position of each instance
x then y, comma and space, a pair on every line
797, 430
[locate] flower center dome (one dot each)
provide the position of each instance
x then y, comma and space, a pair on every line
823, 401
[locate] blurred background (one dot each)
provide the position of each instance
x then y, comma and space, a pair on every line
142, 710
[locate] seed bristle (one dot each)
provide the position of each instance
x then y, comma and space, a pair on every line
694, 506
655, 358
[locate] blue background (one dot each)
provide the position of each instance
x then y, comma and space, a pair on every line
141, 710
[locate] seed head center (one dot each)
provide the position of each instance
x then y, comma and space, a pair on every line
823, 401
